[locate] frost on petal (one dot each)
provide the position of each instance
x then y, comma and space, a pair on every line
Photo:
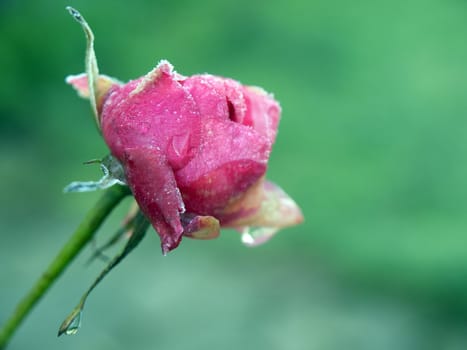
232, 158
153, 111
164, 67
263, 112
153, 184
228, 99
217, 97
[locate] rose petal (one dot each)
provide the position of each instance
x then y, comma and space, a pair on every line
264, 205
153, 111
216, 96
277, 208
263, 112
231, 158
200, 227
103, 85
153, 184
205, 139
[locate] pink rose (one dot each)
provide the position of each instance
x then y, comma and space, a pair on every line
194, 152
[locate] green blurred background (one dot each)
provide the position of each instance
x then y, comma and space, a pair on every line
372, 145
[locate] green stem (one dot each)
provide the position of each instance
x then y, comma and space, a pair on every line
77, 241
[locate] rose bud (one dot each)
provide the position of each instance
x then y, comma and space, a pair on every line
194, 151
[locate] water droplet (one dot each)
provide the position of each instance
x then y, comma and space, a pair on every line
252, 237
71, 325
180, 144
74, 325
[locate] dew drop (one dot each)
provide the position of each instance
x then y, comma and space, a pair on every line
74, 325
180, 144
252, 237
71, 325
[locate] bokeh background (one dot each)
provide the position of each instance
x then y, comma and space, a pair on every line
372, 145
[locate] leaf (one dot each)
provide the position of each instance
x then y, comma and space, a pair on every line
200, 227
113, 175
71, 323
92, 70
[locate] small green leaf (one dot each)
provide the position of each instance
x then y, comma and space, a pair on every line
92, 70
113, 175
140, 226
